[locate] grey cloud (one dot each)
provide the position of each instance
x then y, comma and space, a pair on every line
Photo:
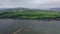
29, 3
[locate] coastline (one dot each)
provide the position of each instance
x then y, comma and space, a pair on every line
33, 19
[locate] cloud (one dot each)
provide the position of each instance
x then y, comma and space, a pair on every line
29, 3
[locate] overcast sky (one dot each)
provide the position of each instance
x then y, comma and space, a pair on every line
29, 3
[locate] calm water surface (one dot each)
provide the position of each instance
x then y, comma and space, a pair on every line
9, 26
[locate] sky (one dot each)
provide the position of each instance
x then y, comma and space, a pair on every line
30, 3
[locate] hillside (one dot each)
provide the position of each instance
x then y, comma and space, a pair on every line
54, 9
17, 9
30, 15
25, 13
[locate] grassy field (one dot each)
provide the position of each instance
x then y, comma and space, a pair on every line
31, 15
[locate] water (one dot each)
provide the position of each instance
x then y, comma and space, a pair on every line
9, 26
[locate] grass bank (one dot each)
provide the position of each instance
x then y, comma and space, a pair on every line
31, 15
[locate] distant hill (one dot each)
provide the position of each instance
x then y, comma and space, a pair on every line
12, 9
26, 9
16, 9
54, 9
3, 8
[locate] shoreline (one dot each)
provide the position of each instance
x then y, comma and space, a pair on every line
34, 19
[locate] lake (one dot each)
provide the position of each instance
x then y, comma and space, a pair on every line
14, 26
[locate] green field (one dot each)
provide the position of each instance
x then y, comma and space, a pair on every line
31, 15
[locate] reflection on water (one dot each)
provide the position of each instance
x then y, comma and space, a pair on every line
8, 26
